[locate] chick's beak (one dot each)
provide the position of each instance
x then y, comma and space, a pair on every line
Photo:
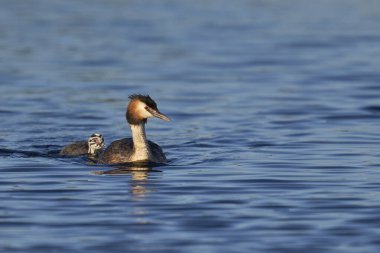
99, 142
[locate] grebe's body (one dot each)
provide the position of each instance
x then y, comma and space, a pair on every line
91, 147
121, 151
138, 148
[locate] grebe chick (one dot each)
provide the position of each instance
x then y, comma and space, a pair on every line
91, 147
138, 148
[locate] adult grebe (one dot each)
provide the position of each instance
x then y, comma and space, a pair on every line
91, 147
137, 148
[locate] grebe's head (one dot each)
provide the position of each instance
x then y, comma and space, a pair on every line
142, 107
95, 143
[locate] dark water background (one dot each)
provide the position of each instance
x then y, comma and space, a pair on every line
273, 147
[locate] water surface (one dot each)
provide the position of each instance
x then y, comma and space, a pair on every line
273, 147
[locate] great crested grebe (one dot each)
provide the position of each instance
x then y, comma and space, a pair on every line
137, 148
91, 147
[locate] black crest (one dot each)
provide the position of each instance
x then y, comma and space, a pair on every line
144, 98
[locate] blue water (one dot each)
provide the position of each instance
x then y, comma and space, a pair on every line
274, 140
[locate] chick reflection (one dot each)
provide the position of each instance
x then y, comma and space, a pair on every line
139, 179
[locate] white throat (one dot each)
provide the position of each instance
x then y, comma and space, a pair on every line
141, 149
91, 150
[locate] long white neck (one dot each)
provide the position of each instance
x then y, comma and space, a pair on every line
140, 143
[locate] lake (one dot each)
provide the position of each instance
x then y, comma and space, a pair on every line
274, 140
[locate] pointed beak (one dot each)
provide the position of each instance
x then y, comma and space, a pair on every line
159, 115
99, 142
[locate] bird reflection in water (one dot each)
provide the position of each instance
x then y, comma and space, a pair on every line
139, 178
